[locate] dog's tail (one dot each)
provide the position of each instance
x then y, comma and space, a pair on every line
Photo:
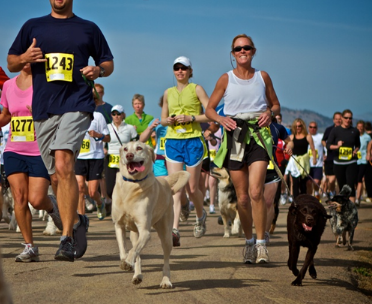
177, 180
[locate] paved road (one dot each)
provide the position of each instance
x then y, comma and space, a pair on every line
205, 270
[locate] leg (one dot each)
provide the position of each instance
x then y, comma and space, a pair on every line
269, 196
67, 190
240, 180
212, 191
308, 260
121, 239
175, 167
196, 195
19, 186
257, 173
82, 187
294, 251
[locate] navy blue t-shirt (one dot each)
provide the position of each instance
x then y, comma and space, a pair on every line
78, 38
105, 110
277, 131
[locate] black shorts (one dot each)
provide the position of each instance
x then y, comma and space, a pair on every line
361, 172
90, 168
316, 173
328, 168
271, 177
252, 153
206, 164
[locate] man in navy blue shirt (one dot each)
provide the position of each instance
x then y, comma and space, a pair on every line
59, 46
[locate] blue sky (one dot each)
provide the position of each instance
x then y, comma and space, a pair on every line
318, 53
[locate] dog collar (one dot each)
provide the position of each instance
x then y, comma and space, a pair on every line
134, 180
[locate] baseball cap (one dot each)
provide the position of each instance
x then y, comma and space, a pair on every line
183, 60
117, 108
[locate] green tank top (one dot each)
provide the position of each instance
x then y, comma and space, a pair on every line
188, 103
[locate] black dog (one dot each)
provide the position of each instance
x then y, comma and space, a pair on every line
305, 225
344, 217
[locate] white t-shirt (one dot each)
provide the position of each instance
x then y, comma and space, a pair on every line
319, 149
92, 149
125, 132
3, 141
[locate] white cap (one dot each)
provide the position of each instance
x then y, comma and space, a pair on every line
117, 108
183, 60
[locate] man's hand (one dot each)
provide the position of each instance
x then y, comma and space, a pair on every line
33, 53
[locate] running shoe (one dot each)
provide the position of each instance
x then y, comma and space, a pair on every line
89, 205
211, 209
101, 211
249, 253
80, 230
200, 227
66, 250
262, 253
192, 207
176, 237
283, 199
29, 254
55, 213
357, 203
185, 212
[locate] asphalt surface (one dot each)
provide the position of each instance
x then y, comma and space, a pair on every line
205, 270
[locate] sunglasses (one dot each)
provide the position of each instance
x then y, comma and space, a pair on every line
313, 127
115, 114
182, 67
246, 48
347, 117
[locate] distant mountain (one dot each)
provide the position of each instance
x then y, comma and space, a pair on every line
289, 115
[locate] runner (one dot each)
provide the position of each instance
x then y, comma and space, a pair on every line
344, 141
59, 46
250, 101
328, 163
24, 168
184, 143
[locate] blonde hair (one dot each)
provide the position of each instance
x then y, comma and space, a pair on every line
294, 129
241, 36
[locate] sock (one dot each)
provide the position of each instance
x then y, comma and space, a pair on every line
250, 242
260, 242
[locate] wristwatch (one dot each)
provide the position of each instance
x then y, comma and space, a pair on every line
192, 118
102, 71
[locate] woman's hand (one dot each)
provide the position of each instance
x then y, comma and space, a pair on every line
183, 118
171, 120
339, 144
228, 123
288, 151
314, 160
265, 119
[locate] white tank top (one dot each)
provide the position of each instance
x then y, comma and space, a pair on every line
245, 96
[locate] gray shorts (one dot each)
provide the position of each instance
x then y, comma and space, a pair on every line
61, 132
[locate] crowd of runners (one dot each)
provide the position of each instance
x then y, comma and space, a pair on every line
58, 130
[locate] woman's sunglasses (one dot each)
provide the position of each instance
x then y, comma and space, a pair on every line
115, 114
182, 67
246, 48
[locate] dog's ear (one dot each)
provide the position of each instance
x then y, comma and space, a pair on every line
152, 153
345, 191
293, 208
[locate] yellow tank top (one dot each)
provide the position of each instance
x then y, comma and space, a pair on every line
188, 103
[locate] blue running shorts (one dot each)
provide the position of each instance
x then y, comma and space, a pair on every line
189, 151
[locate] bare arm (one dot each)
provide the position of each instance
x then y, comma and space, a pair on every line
5, 117
274, 105
166, 120
145, 135
214, 100
32, 55
92, 72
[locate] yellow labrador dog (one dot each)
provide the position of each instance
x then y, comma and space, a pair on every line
139, 201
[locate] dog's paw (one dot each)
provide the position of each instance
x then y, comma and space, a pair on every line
137, 279
226, 235
297, 282
165, 283
126, 266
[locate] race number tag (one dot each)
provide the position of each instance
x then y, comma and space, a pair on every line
162, 143
212, 154
85, 146
345, 153
311, 153
184, 127
59, 66
114, 161
22, 129
270, 166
